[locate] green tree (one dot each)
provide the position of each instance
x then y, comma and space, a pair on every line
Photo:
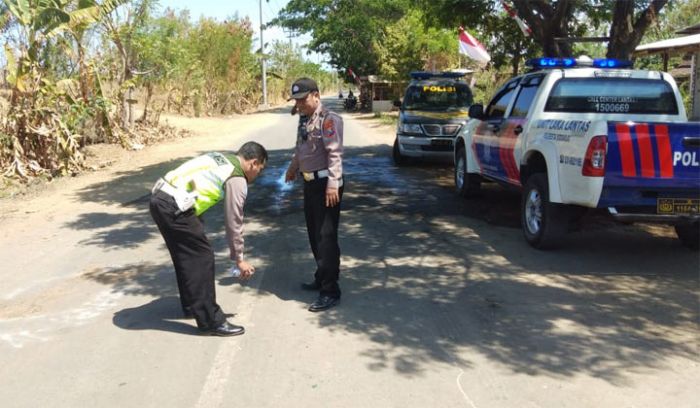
676, 16
345, 30
230, 69
552, 21
39, 125
630, 22
404, 47
395, 37
286, 64
121, 28
164, 58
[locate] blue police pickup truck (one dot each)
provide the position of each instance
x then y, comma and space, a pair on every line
576, 135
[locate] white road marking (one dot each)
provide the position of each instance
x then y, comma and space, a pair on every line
212, 393
459, 385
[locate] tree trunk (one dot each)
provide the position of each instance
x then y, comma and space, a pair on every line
149, 93
625, 33
126, 70
82, 71
548, 23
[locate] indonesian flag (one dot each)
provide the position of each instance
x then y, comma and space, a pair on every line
471, 47
523, 27
354, 75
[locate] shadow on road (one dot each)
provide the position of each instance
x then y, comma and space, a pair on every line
429, 277
159, 314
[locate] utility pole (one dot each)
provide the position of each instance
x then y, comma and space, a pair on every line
264, 62
290, 34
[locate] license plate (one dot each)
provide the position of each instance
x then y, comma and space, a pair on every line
677, 206
437, 142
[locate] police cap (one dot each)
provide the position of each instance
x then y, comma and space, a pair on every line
302, 87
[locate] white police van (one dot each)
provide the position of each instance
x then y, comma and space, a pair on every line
586, 134
433, 111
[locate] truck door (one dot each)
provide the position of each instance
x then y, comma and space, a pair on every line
485, 141
509, 140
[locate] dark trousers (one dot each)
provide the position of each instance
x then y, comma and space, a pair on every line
192, 257
322, 226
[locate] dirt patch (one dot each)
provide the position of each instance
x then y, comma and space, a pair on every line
36, 302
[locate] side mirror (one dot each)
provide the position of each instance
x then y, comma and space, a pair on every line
397, 103
476, 111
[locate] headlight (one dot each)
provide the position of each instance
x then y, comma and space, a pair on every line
410, 128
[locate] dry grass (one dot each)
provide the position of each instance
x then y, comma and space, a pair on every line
4, 101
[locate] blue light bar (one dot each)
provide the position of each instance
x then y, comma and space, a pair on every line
428, 74
539, 63
545, 62
611, 63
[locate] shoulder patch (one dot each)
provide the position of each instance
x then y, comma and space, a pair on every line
328, 127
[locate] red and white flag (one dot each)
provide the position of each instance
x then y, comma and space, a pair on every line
354, 75
523, 27
471, 47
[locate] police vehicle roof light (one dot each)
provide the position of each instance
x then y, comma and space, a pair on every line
545, 62
611, 63
428, 74
551, 62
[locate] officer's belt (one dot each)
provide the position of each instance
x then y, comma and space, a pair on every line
313, 175
164, 186
318, 174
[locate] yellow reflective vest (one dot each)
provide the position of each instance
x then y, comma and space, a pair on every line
205, 176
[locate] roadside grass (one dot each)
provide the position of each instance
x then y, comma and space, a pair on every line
12, 187
387, 118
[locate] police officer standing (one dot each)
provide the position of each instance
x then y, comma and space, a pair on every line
177, 201
318, 157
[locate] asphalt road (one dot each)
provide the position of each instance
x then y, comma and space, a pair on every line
444, 305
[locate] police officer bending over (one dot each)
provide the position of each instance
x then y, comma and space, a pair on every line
319, 158
177, 201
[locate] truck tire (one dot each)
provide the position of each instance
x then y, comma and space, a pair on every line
689, 234
399, 159
543, 222
467, 185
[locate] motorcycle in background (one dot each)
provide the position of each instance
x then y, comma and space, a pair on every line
350, 102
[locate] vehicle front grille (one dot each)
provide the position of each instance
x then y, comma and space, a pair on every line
441, 130
432, 130
450, 130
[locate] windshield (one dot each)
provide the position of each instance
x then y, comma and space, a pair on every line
612, 95
438, 97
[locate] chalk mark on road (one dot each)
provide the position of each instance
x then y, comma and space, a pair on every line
459, 385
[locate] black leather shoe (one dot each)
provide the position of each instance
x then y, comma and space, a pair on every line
225, 329
311, 286
323, 303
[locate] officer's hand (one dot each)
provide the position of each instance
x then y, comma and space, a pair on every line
247, 270
290, 176
332, 198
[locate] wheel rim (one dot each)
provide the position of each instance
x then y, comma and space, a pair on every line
459, 173
533, 211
